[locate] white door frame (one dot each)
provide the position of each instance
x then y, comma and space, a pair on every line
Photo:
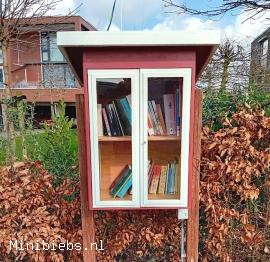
184, 73
93, 75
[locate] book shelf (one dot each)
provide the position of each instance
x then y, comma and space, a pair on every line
128, 138
139, 121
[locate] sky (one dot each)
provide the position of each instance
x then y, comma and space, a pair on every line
152, 15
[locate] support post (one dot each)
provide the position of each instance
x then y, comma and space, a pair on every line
87, 216
193, 217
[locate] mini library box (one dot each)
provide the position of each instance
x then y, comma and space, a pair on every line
139, 106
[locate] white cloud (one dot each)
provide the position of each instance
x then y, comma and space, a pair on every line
135, 12
63, 8
244, 29
138, 14
184, 22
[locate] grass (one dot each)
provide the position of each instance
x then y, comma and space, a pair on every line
33, 140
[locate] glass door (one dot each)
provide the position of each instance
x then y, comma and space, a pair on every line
114, 137
165, 108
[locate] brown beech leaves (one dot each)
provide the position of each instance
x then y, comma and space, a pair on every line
31, 211
235, 189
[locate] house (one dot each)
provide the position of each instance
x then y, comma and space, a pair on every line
260, 61
38, 70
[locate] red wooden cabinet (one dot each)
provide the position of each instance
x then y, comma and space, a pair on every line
139, 93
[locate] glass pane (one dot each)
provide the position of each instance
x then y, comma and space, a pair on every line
56, 55
1, 78
69, 77
45, 56
53, 76
164, 144
115, 145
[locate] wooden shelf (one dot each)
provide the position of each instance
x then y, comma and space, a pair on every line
128, 138
105, 196
164, 138
163, 196
114, 138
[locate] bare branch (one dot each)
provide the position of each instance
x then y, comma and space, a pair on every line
253, 8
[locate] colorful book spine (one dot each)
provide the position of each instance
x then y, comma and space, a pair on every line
177, 179
155, 180
169, 109
118, 119
105, 118
150, 174
115, 124
160, 130
161, 118
127, 108
120, 178
99, 120
162, 181
125, 187
177, 112
154, 120
150, 125
121, 183
129, 99
123, 117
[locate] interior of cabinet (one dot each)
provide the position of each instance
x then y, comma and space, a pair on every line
115, 137
114, 156
165, 152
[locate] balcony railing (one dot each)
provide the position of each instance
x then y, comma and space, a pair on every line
47, 75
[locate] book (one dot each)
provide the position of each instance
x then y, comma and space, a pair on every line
123, 174
177, 111
117, 119
172, 189
170, 180
150, 125
121, 183
155, 180
160, 130
162, 180
150, 173
127, 108
129, 99
113, 122
169, 109
125, 187
161, 119
153, 118
123, 118
176, 178
106, 121
99, 120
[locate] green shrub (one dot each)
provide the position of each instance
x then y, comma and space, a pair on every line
220, 104
56, 147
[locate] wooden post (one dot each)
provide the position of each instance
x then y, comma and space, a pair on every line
87, 216
193, 219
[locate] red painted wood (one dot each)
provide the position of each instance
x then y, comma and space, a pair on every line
136, 58
87, 132
132, 58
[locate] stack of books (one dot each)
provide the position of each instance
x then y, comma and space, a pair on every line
167, 123
114, 119
122, 184
163, 179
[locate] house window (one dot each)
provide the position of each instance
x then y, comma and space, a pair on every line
49, 49
263, 52
1, 77
56, 72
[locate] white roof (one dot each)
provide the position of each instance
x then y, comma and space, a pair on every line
138, 38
